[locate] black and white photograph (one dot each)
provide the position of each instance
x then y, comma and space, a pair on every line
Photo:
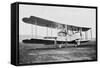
50, 34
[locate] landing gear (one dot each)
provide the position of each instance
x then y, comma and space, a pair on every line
61, 46
77, 42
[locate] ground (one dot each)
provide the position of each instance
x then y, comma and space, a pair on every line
30, 54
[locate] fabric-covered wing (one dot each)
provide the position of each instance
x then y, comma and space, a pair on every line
51, 24
76, 28
40, 22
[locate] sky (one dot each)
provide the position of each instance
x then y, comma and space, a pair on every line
83, 17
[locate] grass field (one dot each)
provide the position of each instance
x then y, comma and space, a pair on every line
39, 53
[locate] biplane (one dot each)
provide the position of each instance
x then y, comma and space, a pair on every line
66, 33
